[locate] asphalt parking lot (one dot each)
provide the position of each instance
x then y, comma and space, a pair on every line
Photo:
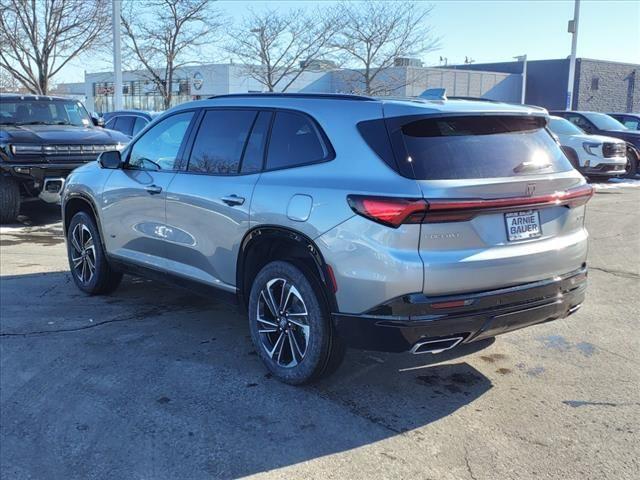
157, 383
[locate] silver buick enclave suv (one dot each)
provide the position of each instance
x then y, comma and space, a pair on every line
338, 220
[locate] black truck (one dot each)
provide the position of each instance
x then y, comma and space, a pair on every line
42, 139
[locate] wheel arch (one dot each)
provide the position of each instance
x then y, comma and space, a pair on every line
79, 203
268, 243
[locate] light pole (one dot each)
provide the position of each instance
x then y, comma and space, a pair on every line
117, 60
523, 59
573, 30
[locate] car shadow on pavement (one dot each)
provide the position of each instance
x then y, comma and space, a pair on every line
156, 382
37, 213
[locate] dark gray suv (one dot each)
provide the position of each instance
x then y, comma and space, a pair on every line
336, 220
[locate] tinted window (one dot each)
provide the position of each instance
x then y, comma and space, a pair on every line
580, 121
631, 123
158, 148
124, 124
604, 122
110, 123
139, 125
294, 141
43, 111
562, 126
479, 147
220, 141
254, 153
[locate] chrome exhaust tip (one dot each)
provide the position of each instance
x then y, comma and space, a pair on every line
436, 346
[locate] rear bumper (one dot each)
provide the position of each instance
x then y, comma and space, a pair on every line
400, 324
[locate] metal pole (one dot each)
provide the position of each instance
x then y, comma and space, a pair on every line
117, 61
523, 88
573, 29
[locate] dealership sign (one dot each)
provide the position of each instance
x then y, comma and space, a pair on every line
197, 81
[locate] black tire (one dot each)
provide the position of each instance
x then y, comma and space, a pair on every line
323, 352
84, 243
631, 169
9, 200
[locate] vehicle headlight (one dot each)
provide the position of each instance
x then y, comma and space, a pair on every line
26, 149
591, 148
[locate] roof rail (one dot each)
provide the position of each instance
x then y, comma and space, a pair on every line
475, 99
328, 96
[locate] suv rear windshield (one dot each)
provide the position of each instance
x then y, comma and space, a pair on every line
475, 147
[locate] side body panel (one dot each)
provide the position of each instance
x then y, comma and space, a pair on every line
203, 232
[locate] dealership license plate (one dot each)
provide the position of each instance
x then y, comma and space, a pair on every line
522, 225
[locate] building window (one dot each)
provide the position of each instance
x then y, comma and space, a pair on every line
595, 83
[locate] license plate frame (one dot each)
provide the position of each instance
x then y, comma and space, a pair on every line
523, 225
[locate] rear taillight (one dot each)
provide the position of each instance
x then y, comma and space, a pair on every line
394, 211
389, 211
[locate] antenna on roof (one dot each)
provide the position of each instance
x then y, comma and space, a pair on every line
434, 94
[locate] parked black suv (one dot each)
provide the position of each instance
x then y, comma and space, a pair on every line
42, 139
595, 123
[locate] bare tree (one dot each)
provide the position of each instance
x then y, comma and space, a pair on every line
374, 34
39, 37
164, 35
275, 47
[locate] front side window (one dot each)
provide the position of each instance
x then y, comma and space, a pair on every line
294, 141
220, 141
581, 122
158, 148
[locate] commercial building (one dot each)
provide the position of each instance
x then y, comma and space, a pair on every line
599, 85
407, 78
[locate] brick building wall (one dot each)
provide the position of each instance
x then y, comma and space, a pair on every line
607, 86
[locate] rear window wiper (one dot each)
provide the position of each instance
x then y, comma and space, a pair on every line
531, 166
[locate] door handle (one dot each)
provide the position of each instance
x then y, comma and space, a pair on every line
153, 189
233, 200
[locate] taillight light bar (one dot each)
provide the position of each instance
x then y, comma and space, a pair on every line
394, 211
390, 211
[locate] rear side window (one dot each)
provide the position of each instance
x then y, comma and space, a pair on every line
294, 141
254, 152
124, 124
139, 125
220, 141
447, 148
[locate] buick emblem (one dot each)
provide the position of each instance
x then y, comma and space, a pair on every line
531, 189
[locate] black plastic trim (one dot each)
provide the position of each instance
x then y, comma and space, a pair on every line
399, 324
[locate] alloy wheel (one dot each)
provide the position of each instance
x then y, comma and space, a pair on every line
83, 253
283, 325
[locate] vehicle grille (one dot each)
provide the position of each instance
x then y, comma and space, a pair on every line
613, 150
88, 150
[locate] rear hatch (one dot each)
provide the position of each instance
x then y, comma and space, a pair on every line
504, 205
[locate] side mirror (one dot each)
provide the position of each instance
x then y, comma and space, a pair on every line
98, 121
110, 159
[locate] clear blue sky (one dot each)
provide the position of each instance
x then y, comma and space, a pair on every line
490, 31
